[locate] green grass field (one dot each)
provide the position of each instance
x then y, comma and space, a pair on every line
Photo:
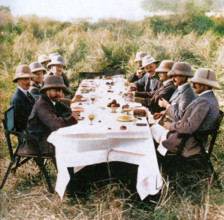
187, 194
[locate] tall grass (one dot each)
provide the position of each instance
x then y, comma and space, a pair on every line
95, 47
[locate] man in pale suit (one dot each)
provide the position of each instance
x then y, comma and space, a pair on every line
184, 94
185, 136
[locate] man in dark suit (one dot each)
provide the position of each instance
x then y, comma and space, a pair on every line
48, 115
22, 100
151, 99
200, 116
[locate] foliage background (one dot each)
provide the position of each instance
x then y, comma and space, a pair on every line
106, 44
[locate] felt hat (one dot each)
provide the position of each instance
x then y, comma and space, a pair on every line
52, 82
43, 58
181, 69
36, 66
57, 60
165, 66
205, 76
54, 54
22, 72
139, 56
148, 60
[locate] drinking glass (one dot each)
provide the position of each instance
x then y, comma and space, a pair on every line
91, 117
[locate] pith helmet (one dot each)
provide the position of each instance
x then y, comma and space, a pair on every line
181, 69
22, 72
36, 66
57, 60
54, 54
205, 76
53, 81
43, 58
139, 56
165, 66
148, 60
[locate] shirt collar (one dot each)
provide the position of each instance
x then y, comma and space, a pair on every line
207, 91
182, 86
23, 90
167, 81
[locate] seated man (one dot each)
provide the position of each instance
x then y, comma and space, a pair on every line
38, 71
183, 95
151, 99
22, 100
48, 115
56, 68
200, 115
140, 73
148, 81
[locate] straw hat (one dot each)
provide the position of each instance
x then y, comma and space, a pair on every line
57, 60
22, 72
206, 77
181, 69
53, 81
36, 66
165, 66
139, 56
148, 60
43, 58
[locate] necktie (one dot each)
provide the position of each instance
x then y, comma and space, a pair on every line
30, 97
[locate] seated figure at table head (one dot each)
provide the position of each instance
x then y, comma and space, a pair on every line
149, 81
22, 100
56, 66
139, 73
48, 115
151, 99
44, 60
38, 71
183, 95
200, 116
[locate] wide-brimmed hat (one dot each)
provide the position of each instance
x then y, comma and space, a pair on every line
165, 66
206, 77
22, 72
54, 54
181, 69
148, 60
139, 56
43, 58
36, 66
57, 60
52, 82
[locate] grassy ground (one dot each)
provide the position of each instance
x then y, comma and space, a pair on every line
189, 193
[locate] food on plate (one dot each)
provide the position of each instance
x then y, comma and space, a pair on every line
123, 127
77, 109
140, 112
125, 118
110, 83
114, 103
109, 90
125, 106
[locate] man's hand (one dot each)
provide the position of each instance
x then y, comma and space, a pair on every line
139, 73
156, 116
163, 103
75, 115
166, 125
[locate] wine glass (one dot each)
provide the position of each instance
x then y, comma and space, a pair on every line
92, 97
91, 117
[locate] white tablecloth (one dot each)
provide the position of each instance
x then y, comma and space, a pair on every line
83, 144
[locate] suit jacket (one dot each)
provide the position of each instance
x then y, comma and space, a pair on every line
149, 83
22, 107
35, 90
133, 78
200, 115
152, 98
179, 102
45, 118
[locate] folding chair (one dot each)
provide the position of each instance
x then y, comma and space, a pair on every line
18, 160
89, 75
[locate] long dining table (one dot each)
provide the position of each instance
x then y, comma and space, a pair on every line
104, 141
